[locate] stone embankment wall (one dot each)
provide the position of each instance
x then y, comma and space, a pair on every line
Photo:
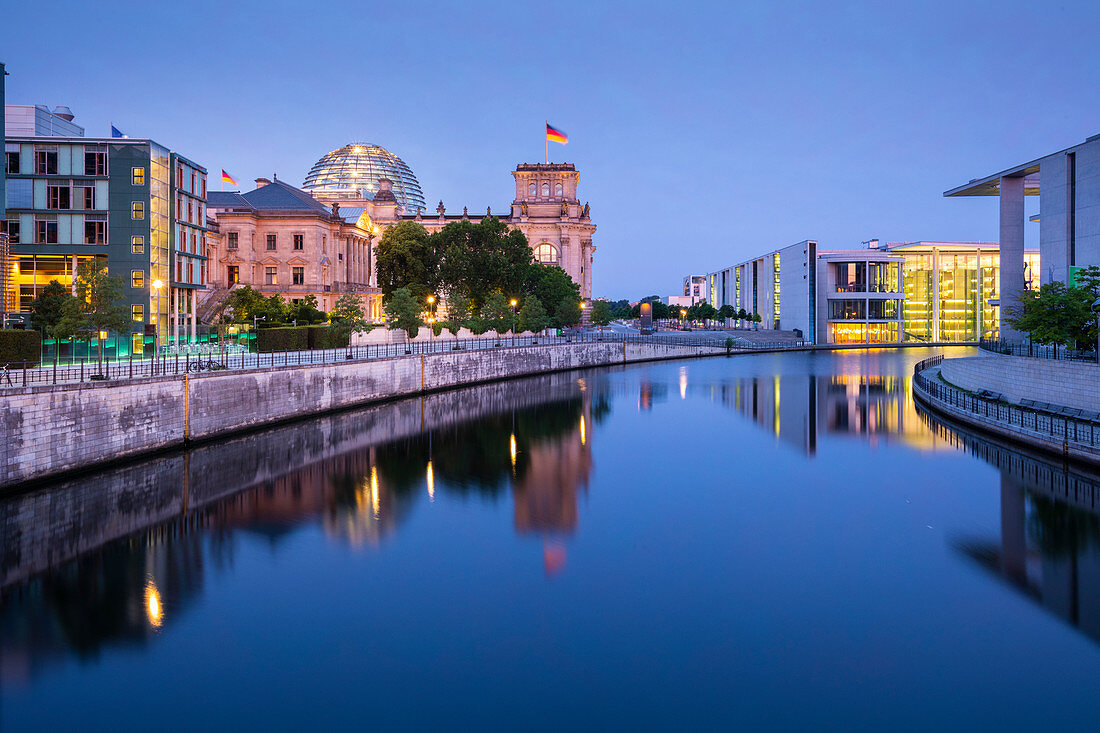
51, 429
1066, 383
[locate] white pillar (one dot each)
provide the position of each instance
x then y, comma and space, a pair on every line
1012, 251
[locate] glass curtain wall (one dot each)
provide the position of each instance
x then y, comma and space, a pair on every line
775, 291
959, 294
159, 262
917, 309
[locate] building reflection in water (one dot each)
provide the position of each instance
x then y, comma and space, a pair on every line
798, 409
76, 588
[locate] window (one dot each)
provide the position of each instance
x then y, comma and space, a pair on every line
546, 253
11, 228
59, 196
557, 189
531, 189
190, 210
45, 231
299, 241
231, 240
45, 162
137, 278
851, 277
270, 242
193, 186
95, 232
882, 309
194, 242
270, 276
204, 187
137, 210
179, 176
20, 193
190, 271
86, 192
11, 162
847, 310
137, 312
137, 343
546, 190
179, 271
137, 176
137, 245
95, 162
298, 276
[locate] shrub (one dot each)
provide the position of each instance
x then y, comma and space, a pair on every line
282, 339
17, 347
327, 337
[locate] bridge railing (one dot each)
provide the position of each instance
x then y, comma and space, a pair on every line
1038, 351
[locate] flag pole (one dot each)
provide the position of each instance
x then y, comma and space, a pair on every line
547, 142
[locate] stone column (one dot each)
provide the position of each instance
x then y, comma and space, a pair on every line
1012, 251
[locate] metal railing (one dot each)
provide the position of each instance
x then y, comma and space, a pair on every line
1067, 425
25, 374
1038, 351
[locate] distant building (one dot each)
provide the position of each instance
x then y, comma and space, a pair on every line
912, 291
695, 287
38, 120
130, 203
1068, 186
680, 301
281, 241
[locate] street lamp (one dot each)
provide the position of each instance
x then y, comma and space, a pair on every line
1096, 310
683, 315
513, 304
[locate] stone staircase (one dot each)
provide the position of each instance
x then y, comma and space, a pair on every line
213, 305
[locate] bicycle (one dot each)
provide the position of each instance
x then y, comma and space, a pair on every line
208, 364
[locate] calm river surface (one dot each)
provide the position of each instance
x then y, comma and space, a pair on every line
758, 542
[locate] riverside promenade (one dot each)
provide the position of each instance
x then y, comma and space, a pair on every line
1004, 395
51, 428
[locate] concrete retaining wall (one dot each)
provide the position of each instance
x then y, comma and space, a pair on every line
1066, 383
51, 429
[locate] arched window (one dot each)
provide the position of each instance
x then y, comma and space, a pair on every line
557, 190
546, 190
531, 189
546, 253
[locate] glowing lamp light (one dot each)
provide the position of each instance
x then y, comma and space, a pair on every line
431, 482
374, 500
154, 609
513, 302
512, 448
583, 435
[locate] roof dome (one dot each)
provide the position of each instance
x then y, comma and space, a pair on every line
354, 170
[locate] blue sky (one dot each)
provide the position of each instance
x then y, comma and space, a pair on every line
704, 132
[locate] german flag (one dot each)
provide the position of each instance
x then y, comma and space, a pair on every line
226, 178
556, 136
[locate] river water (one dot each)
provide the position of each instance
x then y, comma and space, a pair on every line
775, 541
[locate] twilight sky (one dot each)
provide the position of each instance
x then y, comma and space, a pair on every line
704, 132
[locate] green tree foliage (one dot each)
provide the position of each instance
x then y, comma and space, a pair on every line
551, 285
496, 312
568, 313
243, 304
408, 257
742, 314
347, 317
601, 313
305, 311
481, 258
726, 312
98, 306
458, 313
1055, 314
620, 309
48, 307
532, 316
404, 311
702, 311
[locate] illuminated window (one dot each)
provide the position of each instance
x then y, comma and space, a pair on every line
137, 176
137, 244
137, 210
137, 278
546, 253
270, 276
137, 312
137, 344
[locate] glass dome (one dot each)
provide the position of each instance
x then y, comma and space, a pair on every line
353, 171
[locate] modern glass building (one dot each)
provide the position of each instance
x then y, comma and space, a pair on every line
353, 172
912, 291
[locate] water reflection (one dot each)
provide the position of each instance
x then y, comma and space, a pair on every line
80, 571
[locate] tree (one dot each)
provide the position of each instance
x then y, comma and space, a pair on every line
620, 309
756, 318
551, 285
47, 309
406, 257
458, 312
742, 315
243, 304
347, 317
532, 316
601, 313
403, 311
97, 307
482, 258
306, 310
727, 312
497, 313
1055, 314
568, 313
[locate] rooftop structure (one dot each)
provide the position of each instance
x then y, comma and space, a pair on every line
38, 120
355, 171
